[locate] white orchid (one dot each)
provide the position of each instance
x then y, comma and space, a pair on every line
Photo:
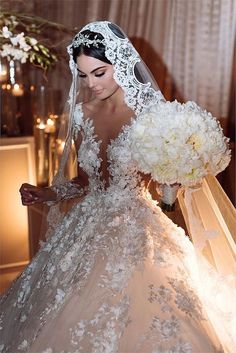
14, 40
5, 32
179, 143
19, 45
22, 42
13, 53
19, 39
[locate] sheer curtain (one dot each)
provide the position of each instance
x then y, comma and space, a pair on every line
189, 44
198, 50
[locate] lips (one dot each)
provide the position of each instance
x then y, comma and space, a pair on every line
98, 91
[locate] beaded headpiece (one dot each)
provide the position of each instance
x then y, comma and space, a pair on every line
83, 39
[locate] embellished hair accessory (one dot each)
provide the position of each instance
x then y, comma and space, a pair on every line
86, 41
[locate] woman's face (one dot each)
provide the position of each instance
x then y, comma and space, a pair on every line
97, 75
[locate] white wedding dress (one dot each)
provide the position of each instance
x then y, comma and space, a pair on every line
117, 276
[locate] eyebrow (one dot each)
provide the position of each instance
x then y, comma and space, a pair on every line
100, 67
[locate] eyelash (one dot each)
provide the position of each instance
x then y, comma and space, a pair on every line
99, 75
96, 75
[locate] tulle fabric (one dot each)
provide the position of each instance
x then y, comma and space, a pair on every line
119, 312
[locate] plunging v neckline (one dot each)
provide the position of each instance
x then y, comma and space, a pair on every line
87, 126
112, 140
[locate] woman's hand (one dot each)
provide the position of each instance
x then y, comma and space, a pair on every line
31, 194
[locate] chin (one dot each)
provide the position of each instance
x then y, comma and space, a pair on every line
107, 95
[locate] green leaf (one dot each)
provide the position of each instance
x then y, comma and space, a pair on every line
54, 57
39, 59
45, 53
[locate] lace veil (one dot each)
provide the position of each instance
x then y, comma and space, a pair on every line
131, 74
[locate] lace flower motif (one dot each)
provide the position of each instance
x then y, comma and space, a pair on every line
167, 328
186, 299
104, 330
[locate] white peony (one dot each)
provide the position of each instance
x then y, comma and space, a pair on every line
178, 143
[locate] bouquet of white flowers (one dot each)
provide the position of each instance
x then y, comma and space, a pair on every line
179, 143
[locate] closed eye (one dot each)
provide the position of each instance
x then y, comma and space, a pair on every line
100, 74
96, 75
81, 75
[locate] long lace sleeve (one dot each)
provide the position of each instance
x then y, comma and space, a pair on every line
67, 191
70, 189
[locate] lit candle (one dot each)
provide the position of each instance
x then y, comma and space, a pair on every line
3, 72
55, 153
17, 90
50, 126
42, 150
41, 125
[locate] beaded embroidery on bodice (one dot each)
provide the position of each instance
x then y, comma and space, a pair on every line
122, 169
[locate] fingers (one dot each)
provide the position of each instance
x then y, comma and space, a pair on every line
29, 195
27, 202
28, 199
27, 187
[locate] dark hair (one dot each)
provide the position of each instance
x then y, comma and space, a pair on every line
97, 52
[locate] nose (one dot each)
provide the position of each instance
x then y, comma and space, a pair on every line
91, 82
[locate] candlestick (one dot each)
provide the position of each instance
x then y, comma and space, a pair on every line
42, 151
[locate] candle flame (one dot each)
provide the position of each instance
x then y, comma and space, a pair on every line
50, 122
41, 125
17, 90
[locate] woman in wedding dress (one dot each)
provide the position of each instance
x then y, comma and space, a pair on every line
115, 274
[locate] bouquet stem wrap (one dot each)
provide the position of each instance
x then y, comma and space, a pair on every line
168, 196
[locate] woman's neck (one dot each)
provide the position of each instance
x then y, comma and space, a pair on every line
115, 101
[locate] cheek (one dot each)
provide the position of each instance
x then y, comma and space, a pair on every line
112, 83
109, 78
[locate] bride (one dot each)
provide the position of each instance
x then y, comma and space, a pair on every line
115, 274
